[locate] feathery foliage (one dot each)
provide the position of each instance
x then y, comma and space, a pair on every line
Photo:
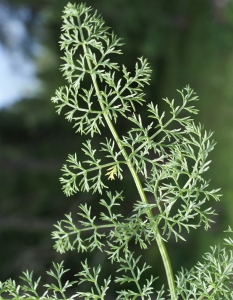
166, 155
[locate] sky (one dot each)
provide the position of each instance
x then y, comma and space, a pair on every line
17, 77
17, 71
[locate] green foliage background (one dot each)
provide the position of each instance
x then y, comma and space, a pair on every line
186, 42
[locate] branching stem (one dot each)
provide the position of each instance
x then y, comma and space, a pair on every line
160, 242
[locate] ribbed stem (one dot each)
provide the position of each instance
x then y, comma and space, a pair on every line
160, 243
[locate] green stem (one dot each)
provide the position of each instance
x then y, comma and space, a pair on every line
160, 242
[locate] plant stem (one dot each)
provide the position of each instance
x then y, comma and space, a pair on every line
160, 242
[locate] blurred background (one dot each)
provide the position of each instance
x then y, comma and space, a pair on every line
185, 41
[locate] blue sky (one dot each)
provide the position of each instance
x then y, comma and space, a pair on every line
17, 77
17, 72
